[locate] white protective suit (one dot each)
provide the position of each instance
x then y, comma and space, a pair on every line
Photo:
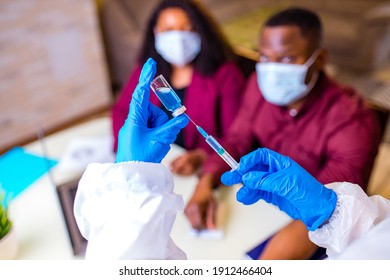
359, 227
126, 211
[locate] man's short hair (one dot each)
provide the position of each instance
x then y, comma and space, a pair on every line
307, 21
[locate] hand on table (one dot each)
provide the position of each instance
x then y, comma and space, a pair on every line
201, 209
188, 163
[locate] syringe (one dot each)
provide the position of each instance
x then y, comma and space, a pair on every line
217, 147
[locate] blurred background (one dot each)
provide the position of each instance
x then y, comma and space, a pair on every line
64, 61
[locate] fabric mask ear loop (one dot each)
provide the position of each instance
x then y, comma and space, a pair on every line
315, 75
312, 58
312, 82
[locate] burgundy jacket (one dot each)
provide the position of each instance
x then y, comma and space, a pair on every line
335, 136
212, 102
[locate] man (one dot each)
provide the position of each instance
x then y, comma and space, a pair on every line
293, 107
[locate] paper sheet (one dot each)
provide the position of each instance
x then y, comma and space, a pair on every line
207, 234
84, 150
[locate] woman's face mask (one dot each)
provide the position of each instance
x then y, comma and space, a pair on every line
283, 83
178, 47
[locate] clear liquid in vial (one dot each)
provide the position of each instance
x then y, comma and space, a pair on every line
167, 96
169, 99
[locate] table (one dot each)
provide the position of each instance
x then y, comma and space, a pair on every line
43, 235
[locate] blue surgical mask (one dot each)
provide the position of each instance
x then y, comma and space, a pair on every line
178, 47
282, 83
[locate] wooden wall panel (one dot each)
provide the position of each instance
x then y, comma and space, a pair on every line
52, 66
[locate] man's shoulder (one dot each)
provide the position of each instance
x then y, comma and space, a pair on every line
344, 102
340, 95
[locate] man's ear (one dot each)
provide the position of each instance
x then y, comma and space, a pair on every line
322, 59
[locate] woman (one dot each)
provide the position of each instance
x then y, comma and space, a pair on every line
193, 55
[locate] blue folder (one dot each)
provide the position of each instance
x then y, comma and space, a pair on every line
19, 169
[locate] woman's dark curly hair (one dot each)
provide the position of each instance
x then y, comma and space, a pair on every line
215, 48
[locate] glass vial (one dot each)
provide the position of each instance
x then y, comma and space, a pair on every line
167, 96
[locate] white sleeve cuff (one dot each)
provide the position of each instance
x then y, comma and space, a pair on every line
355, 214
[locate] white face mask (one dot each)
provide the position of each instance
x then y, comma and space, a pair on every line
282, 83
178, 47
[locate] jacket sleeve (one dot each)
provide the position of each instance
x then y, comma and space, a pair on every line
354, 216
127, 210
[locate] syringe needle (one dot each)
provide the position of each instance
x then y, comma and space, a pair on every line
216, 146
191, 120
201, 130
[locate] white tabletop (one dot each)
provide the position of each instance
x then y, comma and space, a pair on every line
42, 231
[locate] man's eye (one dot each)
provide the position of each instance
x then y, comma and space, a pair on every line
287, 59
263, 58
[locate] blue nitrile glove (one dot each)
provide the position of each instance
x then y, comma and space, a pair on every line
283, 183
147, 133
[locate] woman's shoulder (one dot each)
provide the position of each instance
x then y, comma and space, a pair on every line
229, 69
132, 80
136, 71
133, 76
228, 66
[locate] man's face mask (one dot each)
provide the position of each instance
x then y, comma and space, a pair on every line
178, 47
282, 83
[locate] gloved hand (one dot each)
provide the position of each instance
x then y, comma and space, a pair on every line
279, 180
147, 133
